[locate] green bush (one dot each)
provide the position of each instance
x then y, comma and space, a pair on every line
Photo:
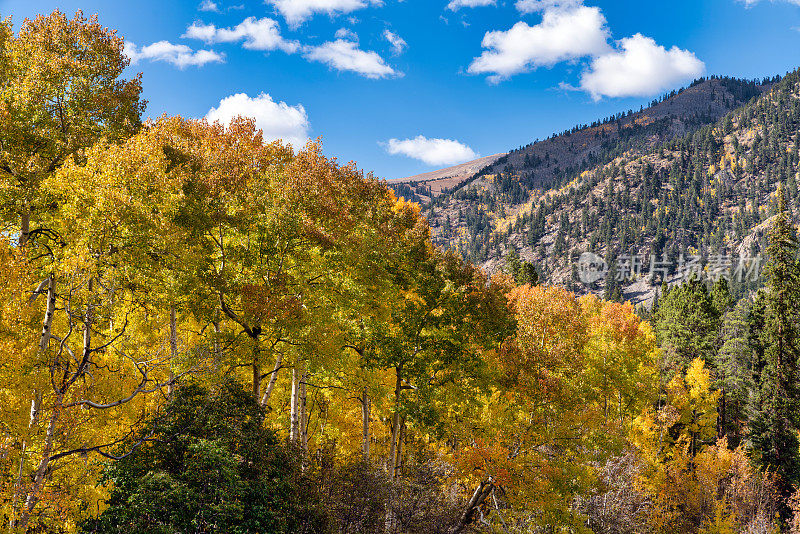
208, 465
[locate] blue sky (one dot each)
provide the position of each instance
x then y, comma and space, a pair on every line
406, 86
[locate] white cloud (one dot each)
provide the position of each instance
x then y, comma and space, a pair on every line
346, 33
257, 34
277, 120
751, 3
534, 6
179, 55
455, 5
398, 43
639, 67
563, 35
298, 11
209, 5
432, 151
345, 55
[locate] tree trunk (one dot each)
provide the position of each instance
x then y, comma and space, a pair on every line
36, 402
303, 416
217, 351
392, 464
295, 423
256, 369
173, 347
399, 460
36, 406
365, 410
49, 313
25, 228
32, 495
390, 523
87, 324
272, 379
481, 493
722, 419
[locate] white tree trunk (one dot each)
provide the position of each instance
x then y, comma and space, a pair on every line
304, 415
365, 412
50, 309
272, 379
392, 463
294, 424
33, 493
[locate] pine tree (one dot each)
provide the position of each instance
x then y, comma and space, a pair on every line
774, 417
734, 372
721, 296
687, 325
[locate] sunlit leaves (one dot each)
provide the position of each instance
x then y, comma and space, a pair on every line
61, 92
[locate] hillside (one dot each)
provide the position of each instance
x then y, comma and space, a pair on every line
691, 176
445, 179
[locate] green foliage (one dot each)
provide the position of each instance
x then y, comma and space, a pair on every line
734, 372
523, 272
686, 325
775, 419
207, 465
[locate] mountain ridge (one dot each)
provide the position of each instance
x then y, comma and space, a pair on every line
714, 142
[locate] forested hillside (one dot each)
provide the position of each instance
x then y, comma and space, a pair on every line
201, 332
704, 195
668, 180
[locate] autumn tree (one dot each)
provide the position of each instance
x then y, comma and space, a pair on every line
570, 383
103, 348
693, 481
61, 91
445, 313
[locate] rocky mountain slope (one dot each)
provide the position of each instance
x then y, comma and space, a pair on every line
621, 205
444, 180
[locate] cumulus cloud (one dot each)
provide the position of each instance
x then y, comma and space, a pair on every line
177, 54
534, 6
208, 5
639, 67
278, 120
431, 151
455, 5
563, 35
346, 33
345, 55
398, 43
257, 34
298, 11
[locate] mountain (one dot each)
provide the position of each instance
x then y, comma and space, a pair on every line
687, 179
431, 184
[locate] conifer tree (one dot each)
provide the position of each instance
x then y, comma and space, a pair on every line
774, 417
734, 372
721, 296
687, 324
